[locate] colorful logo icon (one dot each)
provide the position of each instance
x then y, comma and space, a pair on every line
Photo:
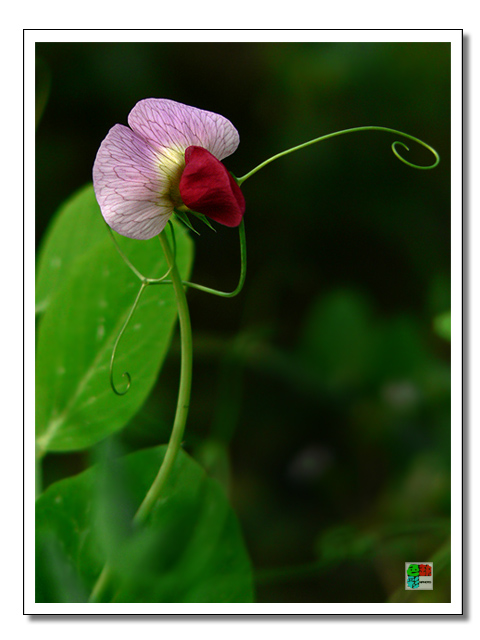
419, 575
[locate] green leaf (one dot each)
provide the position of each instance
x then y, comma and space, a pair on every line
75, 404
76, 228
59, 582
190, 549
442, 325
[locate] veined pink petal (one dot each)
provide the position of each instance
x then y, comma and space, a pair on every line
130, 187
137, 171
172, 125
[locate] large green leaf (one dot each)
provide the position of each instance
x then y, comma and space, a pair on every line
75, 405
190, 549
76, 228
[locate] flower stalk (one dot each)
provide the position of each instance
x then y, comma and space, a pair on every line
183, 401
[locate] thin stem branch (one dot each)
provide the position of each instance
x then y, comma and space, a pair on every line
243, 272
132, 267
114, 350
339, 133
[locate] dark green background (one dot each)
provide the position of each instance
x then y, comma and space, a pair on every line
321, 395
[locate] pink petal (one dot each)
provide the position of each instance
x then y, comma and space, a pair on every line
129, 186
165, 123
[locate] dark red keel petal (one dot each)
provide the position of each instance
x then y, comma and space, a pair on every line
207, 187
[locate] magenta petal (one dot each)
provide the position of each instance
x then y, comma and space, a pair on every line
207, 187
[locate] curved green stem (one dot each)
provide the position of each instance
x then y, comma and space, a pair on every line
114, 350
183, 401
152, 281
101, 584
243, 272
133, 268
339, 133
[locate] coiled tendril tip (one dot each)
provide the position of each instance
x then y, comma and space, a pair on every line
410, 164
344, 131
114, 388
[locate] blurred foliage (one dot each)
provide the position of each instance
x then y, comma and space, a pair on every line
321, 395
190, 549
443, 325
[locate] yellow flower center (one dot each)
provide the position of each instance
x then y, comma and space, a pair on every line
171, 163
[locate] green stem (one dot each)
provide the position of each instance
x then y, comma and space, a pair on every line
145, 281
114, 350
339, 133
101, 584
243, 271
183, 401
178, 429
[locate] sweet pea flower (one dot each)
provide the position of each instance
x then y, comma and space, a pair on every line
168, 158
